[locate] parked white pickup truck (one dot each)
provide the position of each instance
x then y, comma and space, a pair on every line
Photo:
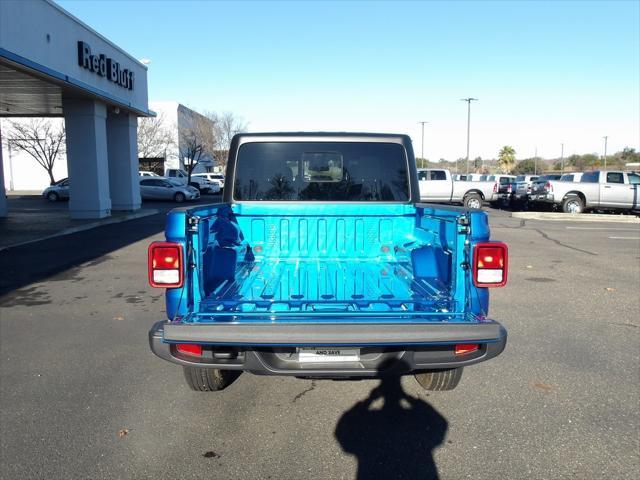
202, 184
604, 189
437, 186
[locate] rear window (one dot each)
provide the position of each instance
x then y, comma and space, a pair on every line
590, 177
546, 178
321, 171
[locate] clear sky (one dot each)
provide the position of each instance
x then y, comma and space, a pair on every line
545, 73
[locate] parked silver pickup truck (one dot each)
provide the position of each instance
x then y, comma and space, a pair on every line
604, 189
522, 187
437, 186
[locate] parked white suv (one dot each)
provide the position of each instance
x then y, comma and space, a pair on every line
202, 184
212, 177
146, 173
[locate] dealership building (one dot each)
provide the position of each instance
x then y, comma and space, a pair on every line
161, 146
178, 121
53, 65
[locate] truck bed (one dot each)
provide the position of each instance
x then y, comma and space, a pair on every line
343, 263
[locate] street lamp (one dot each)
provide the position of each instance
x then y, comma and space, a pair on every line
468, 100
606, 137
422, 148
562, 158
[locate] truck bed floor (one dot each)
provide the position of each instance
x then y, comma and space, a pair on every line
326, 285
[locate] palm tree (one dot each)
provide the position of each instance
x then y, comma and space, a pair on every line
507, 159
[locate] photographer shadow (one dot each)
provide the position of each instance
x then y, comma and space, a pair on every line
396, 440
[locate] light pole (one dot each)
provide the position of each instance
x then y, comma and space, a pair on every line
606, 137
10, 165
468, 100
535, 162
562, 158
422, 149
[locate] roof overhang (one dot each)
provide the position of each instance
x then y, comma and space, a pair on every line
29, 89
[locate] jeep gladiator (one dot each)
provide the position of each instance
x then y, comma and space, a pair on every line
322, 262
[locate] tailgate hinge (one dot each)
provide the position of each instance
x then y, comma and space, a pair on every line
464, 221
193, 223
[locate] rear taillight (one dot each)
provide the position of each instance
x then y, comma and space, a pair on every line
509, 188
464, 348
549, 187
495, 187
490, 264
189, 349
166, 262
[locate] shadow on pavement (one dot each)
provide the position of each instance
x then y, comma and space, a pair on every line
396, 440
25, 264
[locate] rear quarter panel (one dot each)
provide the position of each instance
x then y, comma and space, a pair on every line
461, 188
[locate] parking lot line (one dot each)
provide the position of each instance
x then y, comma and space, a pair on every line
625, 238
604, 228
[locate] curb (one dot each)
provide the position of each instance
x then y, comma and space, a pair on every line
580, 217
86, 226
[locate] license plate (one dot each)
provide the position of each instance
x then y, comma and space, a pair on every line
328, 354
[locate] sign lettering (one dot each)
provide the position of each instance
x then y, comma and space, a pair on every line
104, 66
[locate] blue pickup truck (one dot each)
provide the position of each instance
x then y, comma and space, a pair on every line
322, 262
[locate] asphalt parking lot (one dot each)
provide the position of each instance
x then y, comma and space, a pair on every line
31, 217
83, 397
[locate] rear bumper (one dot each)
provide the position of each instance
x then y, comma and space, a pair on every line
542, 197
270, 349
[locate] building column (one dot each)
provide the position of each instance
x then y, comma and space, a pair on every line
85, 123
3, 197
122, 146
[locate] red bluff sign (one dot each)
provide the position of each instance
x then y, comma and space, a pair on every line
104, 66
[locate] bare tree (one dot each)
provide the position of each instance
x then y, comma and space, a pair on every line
43, 139
196, 142
225, 126
155, 137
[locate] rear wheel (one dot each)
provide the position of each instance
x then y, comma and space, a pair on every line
52, 196
573, 204
473, 201
179, 197
439, 380
209, 379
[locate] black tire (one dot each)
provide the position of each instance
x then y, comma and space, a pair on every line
209, 379
439, 380
53, 197
473, 201
179, 197
573, 204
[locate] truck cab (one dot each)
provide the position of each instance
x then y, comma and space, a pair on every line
321, 261
436, 185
